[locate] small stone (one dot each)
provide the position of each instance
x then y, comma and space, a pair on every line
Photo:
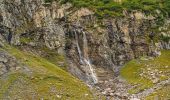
166, 66
18, 68
111, 94
108, 89
155, 80
106, 81
148, 69
50, 83
163, 75
134, 99
86, 94
160, 72
111, 91
156, 70
141, 74
58, 96
118, 94
32, 78
101, 81
104, 92
2, 59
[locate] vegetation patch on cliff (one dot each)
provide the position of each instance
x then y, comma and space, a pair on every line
110, 8
165, 38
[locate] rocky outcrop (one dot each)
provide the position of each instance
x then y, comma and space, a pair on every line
8, 63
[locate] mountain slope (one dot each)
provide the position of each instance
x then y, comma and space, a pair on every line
91, 39
36, 78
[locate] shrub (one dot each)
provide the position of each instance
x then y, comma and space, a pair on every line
165, 38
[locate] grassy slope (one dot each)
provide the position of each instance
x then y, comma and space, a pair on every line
132, 70
45, 81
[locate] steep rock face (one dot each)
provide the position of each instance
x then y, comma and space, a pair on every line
32, 23
95, 48
111, 42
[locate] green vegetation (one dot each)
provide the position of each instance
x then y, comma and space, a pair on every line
25, 40
132, 71
41, 80
48, 1
110, 8
24, 27
165, 38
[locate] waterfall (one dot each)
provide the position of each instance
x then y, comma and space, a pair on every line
84, 59
78, 47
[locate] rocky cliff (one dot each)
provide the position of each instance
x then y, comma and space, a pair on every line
94, 49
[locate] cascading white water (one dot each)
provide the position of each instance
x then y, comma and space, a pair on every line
87, 60
84, 58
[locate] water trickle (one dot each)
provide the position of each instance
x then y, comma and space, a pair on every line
92, 72
84, 58
87, 60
